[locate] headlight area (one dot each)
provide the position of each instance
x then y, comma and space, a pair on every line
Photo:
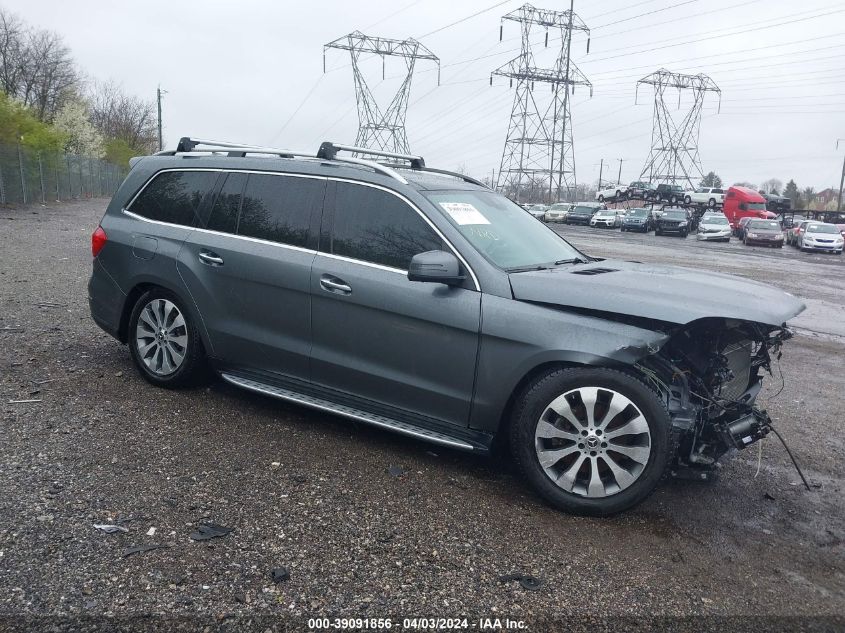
709, 374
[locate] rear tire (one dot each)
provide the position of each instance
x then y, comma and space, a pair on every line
591, 440
164, 342
601, 198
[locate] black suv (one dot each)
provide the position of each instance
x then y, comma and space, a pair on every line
358, 288
669, 193
672, 220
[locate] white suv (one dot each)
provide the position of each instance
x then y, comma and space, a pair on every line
711, 196
612, 193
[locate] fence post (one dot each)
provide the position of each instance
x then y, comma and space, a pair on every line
58, 195
2, 188
23, 179
41, 177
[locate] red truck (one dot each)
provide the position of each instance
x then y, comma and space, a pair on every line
742, 202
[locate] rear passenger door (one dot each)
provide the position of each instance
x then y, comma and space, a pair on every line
389, 342
248, 270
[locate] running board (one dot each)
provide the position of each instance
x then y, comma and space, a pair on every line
348, 412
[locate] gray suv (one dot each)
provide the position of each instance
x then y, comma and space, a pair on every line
422, 302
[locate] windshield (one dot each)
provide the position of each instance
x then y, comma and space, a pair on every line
756, 206
580, 209
822, 228
675, 215
637, 213
764, 224
559, 206
715, 220
501, 231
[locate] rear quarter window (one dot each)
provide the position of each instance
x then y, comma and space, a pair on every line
174, 197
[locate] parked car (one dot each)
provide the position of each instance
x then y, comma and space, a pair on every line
841, 228
558, 212
600, 375
608, 218
714, 227
672, 220
821, 236
775, 203
743, 202
765, 232
637, 219
740, 228
709, 196
583, 212
673, 194
612, 193
793, 231
538, 211
640, 190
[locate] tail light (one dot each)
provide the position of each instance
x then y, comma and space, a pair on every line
98, 240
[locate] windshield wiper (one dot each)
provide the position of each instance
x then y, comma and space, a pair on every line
576, 260
525, 269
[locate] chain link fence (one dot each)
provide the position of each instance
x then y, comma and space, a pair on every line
29, 177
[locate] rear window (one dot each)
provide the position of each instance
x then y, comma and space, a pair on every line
278, 208
174, 197
764, 224
224, 213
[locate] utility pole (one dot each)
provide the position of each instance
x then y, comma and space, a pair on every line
159, 92
601, 169
841, 180
619, 177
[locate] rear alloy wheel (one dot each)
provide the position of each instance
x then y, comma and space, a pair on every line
688, 200
711, 203
591, 441
163, 341
601, 198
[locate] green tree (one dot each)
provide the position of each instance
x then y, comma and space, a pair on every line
791, 192
711, 180
18, 124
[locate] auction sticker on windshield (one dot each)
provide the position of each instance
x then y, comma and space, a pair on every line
464, 213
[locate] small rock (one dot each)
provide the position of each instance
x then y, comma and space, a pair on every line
765, 531
280, 574
395, 471
276, 465
118, 374
769, 496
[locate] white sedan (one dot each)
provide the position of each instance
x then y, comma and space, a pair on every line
714, 227
612, 193
821, 236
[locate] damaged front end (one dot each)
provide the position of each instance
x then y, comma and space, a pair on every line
709, 374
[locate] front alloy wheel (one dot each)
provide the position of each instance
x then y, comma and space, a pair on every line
591, 440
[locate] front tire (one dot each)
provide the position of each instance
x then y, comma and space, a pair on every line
601, 198
688, 200
164, 342
591, 441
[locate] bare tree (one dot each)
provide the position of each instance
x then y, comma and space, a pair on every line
772, 185
35, 66
124, 117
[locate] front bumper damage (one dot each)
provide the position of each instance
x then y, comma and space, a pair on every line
710, 391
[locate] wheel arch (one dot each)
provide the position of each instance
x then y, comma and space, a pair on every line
144, 285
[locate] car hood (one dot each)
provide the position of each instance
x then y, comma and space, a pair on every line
665, 293
717, 227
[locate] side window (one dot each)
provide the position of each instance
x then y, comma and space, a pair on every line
174, 196
278, 208
224, 213
717, 191
375, 226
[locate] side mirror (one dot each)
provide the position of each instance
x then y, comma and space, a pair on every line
436, 267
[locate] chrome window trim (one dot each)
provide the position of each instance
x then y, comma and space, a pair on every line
127, 211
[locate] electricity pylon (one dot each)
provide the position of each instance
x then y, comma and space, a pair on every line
377, 129
538, 160
674, 157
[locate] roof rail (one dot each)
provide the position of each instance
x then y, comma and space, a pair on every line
329, 150
188, 145
445, 172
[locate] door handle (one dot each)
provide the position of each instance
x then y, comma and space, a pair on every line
210, 258
333, 284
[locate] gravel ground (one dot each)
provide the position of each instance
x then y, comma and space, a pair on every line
318, 495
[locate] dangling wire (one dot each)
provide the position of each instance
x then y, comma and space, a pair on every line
791, 456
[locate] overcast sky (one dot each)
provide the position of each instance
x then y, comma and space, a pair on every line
242, 70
